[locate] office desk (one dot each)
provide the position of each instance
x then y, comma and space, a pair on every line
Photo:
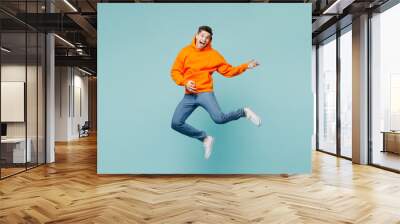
391, 141
13, 150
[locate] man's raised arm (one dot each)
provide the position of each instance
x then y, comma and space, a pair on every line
227, 70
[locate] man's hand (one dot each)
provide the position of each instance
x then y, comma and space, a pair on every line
191, 86
252, 64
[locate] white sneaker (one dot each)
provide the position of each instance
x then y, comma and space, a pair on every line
253, 117
208, 144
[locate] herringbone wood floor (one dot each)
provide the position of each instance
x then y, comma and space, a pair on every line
70, 191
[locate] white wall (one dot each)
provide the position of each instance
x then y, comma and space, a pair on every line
71, 94
33, 127
79, 112
62, 81
15, 72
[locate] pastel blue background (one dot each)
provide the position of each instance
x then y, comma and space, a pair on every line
137, 44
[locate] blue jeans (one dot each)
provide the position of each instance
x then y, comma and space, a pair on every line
206, 100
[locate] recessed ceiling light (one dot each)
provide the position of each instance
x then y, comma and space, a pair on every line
84, 71
70, 5
5, 49
338, 6
64, 40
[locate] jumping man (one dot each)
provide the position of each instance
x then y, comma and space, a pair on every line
193, 69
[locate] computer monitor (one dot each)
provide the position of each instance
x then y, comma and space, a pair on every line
3, 129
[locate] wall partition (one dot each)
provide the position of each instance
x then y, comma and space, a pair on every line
22, 88
137, 134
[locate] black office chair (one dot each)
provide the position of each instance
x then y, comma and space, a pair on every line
84, 130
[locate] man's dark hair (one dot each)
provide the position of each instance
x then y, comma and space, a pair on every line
205, 28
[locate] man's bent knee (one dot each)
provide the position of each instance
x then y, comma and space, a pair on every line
176, 125
220, 119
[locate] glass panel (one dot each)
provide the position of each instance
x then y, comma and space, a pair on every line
386, 89
346, 93
41, 99
31, 101
327, 96
314, 91
14, 5
31, 83
22, 87
15, 8
13, 86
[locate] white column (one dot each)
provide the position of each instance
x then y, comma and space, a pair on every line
50, 110
360, 90
50, 92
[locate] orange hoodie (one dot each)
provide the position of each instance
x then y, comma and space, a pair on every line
199, 64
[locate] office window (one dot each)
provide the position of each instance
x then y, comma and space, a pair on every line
346, 93
314, 91
327, 95
385, 88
